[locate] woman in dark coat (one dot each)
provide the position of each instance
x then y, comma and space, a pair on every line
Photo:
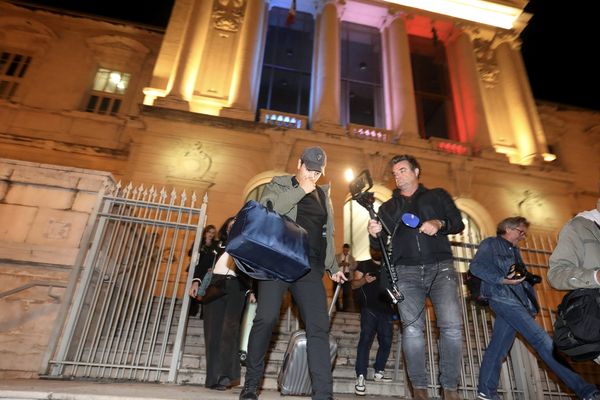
222, 316
208, 244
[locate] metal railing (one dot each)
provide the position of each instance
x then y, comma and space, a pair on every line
131, 293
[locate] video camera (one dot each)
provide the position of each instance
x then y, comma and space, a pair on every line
520, 271
359, 189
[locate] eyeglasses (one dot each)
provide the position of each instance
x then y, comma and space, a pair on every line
521, 231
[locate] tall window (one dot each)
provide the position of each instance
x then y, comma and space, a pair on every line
361, 86
287, 64
435, 109
107, 93
12, 70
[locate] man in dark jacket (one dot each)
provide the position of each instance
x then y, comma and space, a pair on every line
423, 260
514, 305
376, 318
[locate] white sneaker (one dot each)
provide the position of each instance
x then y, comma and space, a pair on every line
483, 396
359, 388
380, 377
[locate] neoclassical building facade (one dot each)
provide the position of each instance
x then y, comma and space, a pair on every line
232, 91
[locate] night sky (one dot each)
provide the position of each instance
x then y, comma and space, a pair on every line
559, 44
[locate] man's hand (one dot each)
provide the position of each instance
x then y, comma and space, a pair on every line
339, 277
194, 289
509, 281
306, 183
374, 227
431, 227
370, 278
252, 297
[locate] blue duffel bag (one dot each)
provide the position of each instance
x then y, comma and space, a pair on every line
268, 245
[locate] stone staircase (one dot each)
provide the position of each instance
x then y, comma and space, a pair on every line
345, 328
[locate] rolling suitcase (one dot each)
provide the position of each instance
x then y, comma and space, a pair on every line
294, 378
246, 327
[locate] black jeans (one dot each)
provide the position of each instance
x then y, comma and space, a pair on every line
310, 297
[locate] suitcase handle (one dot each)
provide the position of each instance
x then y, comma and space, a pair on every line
334, 300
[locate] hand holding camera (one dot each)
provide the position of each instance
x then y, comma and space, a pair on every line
518, 272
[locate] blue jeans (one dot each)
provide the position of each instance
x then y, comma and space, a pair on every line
373, 322
512, 317
439, 281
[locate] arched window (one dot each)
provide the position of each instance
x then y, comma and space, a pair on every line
356, 218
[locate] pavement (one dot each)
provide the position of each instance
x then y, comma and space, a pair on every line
34, 389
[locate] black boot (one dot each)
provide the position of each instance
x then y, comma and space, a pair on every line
249, 392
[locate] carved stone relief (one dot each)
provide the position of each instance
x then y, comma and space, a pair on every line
192, 162
228, 15
486, 62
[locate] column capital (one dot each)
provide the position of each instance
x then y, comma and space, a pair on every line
393, 14
340, 6
495, 36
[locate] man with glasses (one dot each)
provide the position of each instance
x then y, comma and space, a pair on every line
299, 197
423, 260
514, 304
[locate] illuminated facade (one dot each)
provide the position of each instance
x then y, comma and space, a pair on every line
230, 94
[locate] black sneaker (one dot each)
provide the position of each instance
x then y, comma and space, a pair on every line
249, 392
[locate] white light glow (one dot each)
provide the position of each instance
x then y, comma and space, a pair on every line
481, 11
115, 77
349, 175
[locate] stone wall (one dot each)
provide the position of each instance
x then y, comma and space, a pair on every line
44, 210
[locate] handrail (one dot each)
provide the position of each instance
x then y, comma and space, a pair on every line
31, 284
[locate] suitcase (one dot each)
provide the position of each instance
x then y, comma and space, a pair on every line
294, 378
246, 327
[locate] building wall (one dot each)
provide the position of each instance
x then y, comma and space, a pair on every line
44, 210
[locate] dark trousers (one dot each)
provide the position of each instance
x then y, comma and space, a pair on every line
310, 297
373, 322
222, 335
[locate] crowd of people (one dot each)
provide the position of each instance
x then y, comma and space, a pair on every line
421, 266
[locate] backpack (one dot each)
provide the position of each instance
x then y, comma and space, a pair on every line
577, 325
474, 288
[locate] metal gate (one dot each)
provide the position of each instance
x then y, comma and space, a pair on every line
127, 319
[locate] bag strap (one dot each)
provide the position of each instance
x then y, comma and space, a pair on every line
207, 277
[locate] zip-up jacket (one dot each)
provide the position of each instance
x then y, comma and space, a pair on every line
409, 247
285, 198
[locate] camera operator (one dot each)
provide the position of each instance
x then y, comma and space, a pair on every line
422, 258
511, 297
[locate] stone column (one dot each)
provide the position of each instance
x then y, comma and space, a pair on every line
325, 101
184, 75
467, 92
516, 97
401, 109
244, 86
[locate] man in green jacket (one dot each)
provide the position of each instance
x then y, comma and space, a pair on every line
299, 197
575, 262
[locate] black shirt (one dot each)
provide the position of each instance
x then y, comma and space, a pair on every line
312, 216
371, 295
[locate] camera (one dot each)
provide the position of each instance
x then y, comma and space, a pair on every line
362, 181
520, 271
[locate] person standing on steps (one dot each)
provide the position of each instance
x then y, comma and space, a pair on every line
424, 263
376, 318
300, 198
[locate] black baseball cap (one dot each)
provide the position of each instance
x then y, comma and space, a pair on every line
314, 158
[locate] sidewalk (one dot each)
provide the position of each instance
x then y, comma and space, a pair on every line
34, 389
